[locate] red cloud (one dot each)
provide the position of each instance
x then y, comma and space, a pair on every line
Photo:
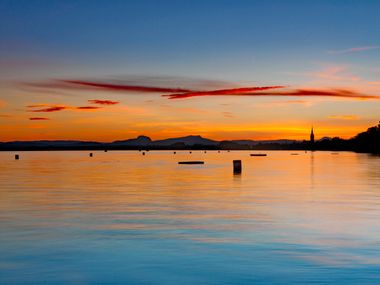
49, 109
343, 93
221, 92
87, 108
181, 93
103, 102
120, 87
38, 119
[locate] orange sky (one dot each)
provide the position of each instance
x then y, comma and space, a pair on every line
224, 117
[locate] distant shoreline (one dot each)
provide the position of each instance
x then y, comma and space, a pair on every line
365, 142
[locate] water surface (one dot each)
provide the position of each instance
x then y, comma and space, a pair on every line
124, 218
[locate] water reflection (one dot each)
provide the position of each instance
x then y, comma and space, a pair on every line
124, 218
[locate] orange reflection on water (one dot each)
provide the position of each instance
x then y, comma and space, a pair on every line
311, 199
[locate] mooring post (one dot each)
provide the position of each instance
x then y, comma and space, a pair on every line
91, 154
143, 153
17, 157
174, 152
237, 166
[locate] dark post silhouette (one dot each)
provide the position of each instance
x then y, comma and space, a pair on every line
237, 166
17, 157
91, 154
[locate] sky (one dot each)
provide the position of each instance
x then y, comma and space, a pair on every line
111, 70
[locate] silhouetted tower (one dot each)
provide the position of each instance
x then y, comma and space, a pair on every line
312, 136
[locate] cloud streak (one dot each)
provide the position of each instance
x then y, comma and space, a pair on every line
50, 109
353, 49
103, 102
118, 87
87, 108
344, 117
183, 93
341, 93
39, 119
220, 92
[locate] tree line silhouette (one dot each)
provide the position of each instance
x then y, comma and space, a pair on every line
368, 141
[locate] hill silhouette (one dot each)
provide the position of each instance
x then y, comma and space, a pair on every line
368, 141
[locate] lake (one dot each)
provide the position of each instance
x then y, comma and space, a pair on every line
123, 218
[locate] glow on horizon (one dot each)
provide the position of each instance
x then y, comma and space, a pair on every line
141, 72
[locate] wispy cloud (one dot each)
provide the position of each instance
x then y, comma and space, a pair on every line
39, 119
103, 102
342, 93
87, 108
337, 73
220, 92
109, 86
344, 117
353, 49
295, 102
48, 109
38, 105
51, 108
228, 114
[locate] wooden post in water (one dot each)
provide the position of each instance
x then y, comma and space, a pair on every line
237, 166
91, 154
174, 152
17, 157
143, 153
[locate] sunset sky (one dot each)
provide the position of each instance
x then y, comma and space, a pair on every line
111, 70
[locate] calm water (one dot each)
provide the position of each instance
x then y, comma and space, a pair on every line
123, 218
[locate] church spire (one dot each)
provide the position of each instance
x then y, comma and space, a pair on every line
312, 135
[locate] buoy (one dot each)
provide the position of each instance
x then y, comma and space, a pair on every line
237, 166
